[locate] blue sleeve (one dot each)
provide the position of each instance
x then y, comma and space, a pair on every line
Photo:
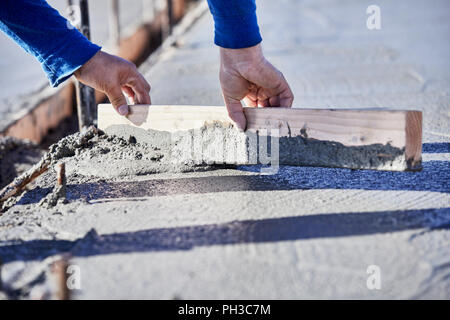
235, 23
44, 33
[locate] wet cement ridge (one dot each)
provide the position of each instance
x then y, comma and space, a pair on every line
219, 143
310, 152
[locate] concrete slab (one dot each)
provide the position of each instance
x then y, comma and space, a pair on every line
302, 233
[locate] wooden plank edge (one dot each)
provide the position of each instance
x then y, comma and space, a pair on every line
413, 140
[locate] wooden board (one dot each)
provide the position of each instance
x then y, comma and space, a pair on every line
351, 127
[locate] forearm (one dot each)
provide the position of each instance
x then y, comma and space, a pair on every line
44, 33
235, 23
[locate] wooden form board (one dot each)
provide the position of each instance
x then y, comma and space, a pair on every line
351, 127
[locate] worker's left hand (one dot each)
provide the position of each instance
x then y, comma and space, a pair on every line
115, 77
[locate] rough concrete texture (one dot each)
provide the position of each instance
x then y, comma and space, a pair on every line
233, 233
222, 143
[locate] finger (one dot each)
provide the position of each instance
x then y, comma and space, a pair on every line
253, 92
235, 112
263, 98
145, 89
129, 93
249, 102
273, 80
286, 98
142, 96
253, 96
263, 103
141, 88
274, 101
118, 101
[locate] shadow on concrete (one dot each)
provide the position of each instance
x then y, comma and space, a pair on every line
436, 147
435, 176
236, 232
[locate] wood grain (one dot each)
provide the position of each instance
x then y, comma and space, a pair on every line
413, 143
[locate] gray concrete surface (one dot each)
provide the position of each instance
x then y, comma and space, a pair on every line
302, 233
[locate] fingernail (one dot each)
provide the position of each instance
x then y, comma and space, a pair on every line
123, 110
240, 127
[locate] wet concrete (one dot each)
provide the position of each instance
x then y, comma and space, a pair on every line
304, 232
220, 143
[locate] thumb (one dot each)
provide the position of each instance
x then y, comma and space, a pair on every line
235, 112
118, 101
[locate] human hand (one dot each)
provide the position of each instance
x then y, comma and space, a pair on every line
115, 77
246, 75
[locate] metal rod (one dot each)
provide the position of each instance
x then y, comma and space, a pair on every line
170, 14
87, 113
58, 271
168, 20
85, 25
60, 174
114, 23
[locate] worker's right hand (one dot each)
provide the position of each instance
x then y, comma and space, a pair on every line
246, 75
115, 77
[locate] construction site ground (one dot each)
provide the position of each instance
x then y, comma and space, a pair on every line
232, 233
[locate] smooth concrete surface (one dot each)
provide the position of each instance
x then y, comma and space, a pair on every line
301, 233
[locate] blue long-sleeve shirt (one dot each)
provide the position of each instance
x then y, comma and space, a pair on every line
235, 23
61, 49
44, 33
